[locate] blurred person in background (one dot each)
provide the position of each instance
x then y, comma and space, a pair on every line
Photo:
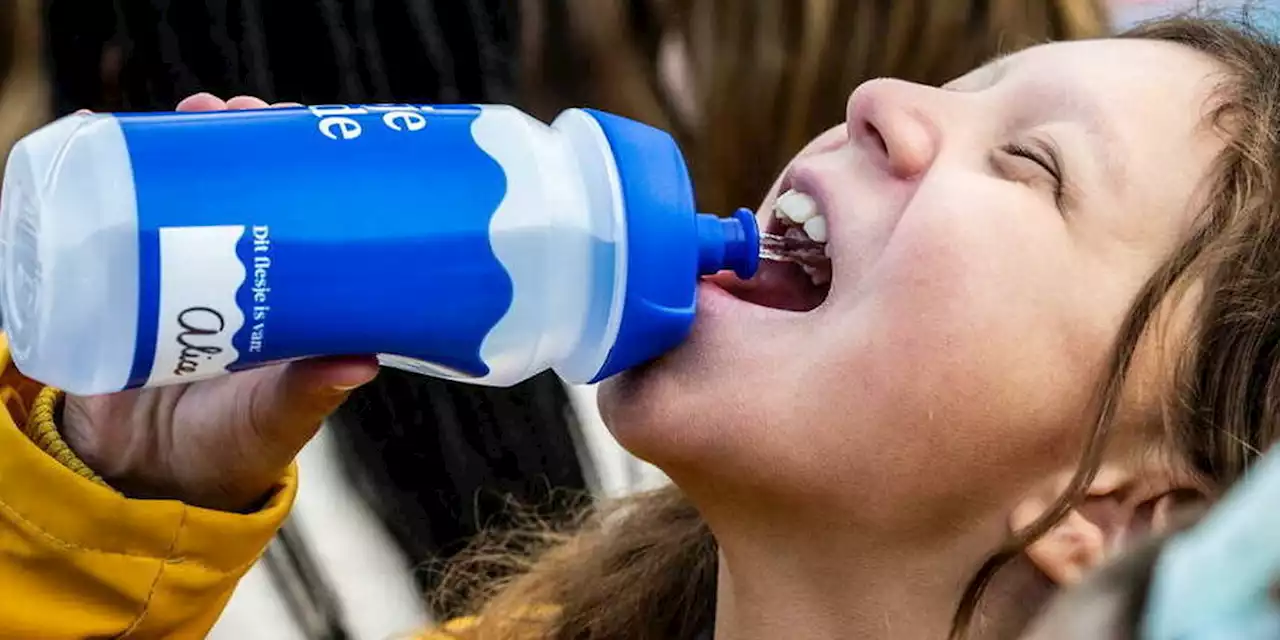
1209, 576
439, 460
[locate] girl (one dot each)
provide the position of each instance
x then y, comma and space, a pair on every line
435, 458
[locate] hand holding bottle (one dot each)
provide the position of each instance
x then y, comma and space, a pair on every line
471, 242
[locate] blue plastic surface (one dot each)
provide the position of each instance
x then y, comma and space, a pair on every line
372, 241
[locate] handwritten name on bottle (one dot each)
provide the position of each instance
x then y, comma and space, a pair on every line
196, 323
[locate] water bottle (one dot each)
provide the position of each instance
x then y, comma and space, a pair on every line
472, 243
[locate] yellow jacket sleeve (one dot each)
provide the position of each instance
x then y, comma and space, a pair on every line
79, 560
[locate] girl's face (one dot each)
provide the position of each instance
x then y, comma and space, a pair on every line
986, 240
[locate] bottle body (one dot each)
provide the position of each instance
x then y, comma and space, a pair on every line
466, 242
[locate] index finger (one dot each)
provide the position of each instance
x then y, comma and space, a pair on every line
202, 102
246, 102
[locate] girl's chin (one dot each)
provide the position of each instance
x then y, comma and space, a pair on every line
657, 409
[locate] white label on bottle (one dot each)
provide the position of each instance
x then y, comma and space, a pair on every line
200, 274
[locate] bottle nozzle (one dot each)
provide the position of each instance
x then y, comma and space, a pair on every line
728, 243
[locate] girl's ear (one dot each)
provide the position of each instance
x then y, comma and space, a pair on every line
1121, 505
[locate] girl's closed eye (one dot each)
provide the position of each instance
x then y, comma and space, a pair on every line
1046, 162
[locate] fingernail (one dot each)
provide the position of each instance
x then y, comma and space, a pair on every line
335, 374
203, 95
353, 375
347, 387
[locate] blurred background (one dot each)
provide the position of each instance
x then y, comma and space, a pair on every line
411, 469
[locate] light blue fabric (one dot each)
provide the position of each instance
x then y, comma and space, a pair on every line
1213, 582
1126, 13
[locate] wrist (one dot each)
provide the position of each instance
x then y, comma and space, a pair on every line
129, 460
85, 442
133, 468
118, 455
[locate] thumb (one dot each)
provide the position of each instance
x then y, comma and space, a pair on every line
290, 406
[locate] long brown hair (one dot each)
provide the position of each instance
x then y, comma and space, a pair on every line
767, 76
1225, 411
24, 96
645, 567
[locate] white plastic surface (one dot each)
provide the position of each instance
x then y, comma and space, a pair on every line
559, 233
598, 174
69, 270
541, 235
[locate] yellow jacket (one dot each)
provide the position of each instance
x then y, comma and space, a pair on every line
79, 560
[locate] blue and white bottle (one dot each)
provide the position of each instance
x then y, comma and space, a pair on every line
468, 242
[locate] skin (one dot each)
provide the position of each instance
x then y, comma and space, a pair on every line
856, 462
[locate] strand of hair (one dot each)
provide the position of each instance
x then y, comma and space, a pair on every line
349, 84
255, 51
438, 57
220, 33
371, 47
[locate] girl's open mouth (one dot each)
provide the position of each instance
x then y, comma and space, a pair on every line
795, 271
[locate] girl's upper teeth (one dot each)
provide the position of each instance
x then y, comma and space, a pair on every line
799, 208
803, 236
796, 206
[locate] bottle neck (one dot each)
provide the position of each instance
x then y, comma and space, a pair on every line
731, 243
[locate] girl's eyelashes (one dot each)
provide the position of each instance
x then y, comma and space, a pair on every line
1047, 158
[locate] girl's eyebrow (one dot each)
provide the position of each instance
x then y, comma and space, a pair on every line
1065, 100
1100, 129
983, 77
997, 68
